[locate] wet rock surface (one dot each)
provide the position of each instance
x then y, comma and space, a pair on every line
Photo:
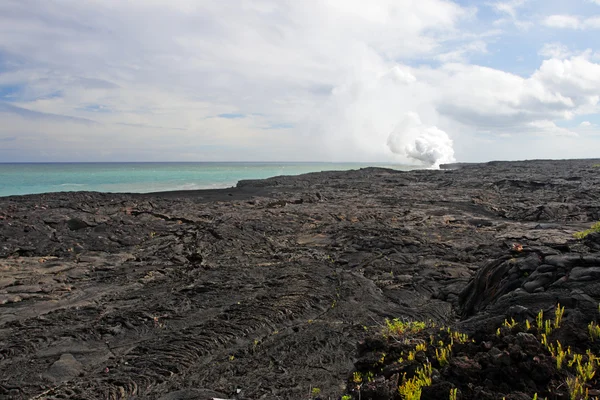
278, 286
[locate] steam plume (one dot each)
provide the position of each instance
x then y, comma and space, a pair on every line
427, 144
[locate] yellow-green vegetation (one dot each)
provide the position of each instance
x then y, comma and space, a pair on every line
582, 367
558, 314
558, 353
594, 331
315, 391
359, 378
346, 397
457, 336
411, 355
510, 324
594, 228
443, 354
539, 319
544, 339
453, 394
397, 327
577, 390
411, 389
588, 370
547, 327
411, 333
596, 166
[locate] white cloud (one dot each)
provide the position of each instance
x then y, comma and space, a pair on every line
563, 21
572, 22
500, 102
461, 53
555, 50
508, 7
585, 124
510, 13
326, 80
546, 128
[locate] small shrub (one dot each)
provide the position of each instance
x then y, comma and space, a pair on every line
453, 394
443, 355
576, 388
411, 388
510, 324
594, 331
558, 314
539, 319
397, 327
583, 234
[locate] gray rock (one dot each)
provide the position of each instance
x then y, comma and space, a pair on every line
66, 368
582, 274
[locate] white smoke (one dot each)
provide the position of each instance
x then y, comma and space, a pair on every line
374, 99
427, 144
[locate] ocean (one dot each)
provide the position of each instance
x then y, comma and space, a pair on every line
30, 178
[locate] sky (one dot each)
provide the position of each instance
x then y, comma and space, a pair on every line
404, 81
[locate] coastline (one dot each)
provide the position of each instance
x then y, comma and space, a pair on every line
32, 178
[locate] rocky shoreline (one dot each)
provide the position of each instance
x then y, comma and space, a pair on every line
278, 287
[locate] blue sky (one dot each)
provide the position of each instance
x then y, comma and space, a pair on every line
318, 80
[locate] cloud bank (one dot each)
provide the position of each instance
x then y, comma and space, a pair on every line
333, 80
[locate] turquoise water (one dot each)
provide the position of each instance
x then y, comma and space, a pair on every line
16, 179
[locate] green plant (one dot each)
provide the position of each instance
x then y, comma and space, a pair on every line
594, 228
411, 355
397, 327
443, 355
453, 394
559, 353
558, 314
547, 327
459, 337
539, 319
587, 371
411, 389
544, 340
315, 392
510, 324
421, 347
346, 397
576, 389
594, 331
576, 359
